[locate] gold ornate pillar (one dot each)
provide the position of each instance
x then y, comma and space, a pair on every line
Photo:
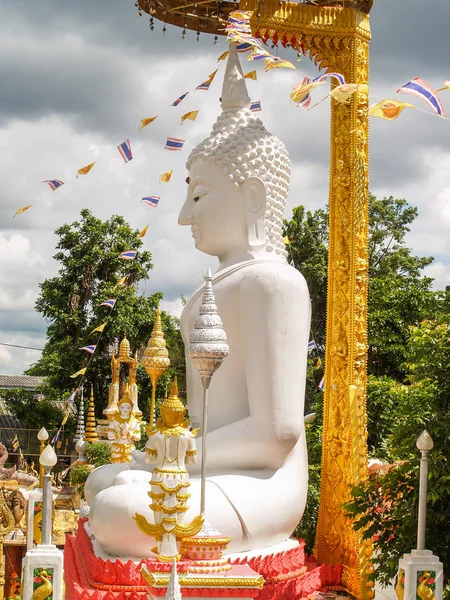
337, 40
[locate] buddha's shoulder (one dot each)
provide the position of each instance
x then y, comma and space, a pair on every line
272, 276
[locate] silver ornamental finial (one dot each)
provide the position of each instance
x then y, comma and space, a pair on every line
208, 341
173, 589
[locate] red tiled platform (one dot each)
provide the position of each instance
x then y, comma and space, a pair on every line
288, 576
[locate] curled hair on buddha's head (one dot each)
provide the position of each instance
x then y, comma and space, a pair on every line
241, 147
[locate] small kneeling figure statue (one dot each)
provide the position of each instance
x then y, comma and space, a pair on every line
124, 429
170, 447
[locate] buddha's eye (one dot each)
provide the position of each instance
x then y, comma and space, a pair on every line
198, 197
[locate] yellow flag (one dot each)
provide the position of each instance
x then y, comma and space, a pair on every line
19, 211
80, 372
142, 233
319, 363
286, 240
120, 282
278, 64
250, 75
85, 170
299, 92
447, 87
341, 93
191, 115
165, 177
64, 421
222, 56
388, 109
100, 328
145, 122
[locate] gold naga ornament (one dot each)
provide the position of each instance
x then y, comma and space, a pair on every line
170, 447
155, 361
7, 523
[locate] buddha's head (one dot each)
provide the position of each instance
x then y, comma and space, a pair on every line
172, 409
125, 405
238, 178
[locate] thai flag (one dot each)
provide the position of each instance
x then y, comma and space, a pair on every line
255, 106
90, 349
53, 184
109, 303
418, 87
321, 385
311, 345
292, 264
180, 99
338, 76
151, 200
244, 47
125, 151
128, 254
73, 395
55, 437
174, 144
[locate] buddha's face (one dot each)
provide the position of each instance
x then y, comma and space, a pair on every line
125, 410
214, 208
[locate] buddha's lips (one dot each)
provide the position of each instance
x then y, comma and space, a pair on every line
194, 230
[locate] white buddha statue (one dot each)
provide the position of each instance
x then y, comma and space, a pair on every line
257, 462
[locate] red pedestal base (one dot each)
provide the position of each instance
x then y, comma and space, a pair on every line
288, 576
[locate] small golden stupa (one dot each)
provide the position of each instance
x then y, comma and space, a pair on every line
90, 434
155, 361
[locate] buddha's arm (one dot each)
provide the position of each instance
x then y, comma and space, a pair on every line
275, 320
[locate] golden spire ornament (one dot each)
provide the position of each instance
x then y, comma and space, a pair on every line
155, 361
91, 434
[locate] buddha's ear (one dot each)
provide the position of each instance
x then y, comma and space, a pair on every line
254, 193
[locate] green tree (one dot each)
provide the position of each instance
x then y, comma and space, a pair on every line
399, 294
399, 297
386, 507
88, 252
36, 411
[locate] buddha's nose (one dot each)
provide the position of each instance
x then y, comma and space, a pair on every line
185, 217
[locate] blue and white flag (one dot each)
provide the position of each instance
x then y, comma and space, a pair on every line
109, 303
125, 151
311, 345
128, 255
179, 100
418, 87
255, 106
53, 184
321, 385
151, 200
90, 349
173, 144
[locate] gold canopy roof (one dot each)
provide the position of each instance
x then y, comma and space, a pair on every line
211, 16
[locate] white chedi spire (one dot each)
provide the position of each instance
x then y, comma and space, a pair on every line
173, 589
79, 434
208, 341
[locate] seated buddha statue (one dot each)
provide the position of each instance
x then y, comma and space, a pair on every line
257, 462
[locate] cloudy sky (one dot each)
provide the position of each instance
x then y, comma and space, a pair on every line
77, 77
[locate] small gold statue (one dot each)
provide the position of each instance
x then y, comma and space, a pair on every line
170, 447
124, 429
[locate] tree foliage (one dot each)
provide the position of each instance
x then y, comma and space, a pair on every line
89, 269
408, 384
36, 410
387, 507
399, 294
